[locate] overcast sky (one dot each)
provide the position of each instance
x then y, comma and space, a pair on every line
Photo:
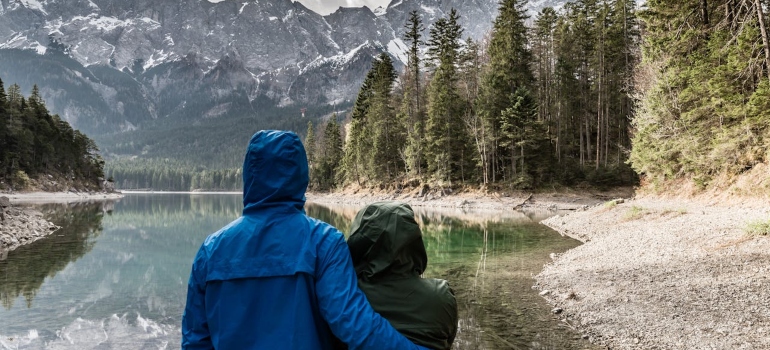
325, 7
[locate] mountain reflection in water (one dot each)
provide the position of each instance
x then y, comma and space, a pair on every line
117, 277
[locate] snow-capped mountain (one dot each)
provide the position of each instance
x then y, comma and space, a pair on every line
148, 59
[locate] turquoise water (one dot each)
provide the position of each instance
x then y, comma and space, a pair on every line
115, 275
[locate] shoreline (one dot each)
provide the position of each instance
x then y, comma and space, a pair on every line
59, 197
652, 272
21, 225
478, 201
663, 273
179, 192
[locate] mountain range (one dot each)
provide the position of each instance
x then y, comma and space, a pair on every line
122, 68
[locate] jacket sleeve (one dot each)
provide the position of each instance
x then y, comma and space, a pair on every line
195, 330
344, 306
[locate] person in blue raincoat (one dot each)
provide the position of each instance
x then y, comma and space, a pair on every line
275, 278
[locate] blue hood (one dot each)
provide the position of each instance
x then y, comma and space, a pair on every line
275, 171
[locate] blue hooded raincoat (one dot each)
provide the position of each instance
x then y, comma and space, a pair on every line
276, 278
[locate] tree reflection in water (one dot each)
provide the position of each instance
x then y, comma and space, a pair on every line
80, 224
143, 256
489, 260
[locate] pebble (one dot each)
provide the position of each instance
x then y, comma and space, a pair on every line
21, 227
664, 281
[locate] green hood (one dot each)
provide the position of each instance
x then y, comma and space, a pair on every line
385, 241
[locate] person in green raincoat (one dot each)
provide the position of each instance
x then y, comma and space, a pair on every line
389, 258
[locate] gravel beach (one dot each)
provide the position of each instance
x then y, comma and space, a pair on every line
20, 225
664, 274
653, 273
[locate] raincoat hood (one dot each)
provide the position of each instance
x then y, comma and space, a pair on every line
275, 171
385, 241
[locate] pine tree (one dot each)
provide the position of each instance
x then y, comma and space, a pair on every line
359, 140
310, 150
521, 133
412, 114
713, 70
332, 155
384, 159
470, 69
508, 71
15, 98
545, 66
4, 135
310, 142
445, 132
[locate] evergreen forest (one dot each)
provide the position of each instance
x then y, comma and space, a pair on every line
703, 110
597, 93
539, 102
40, 149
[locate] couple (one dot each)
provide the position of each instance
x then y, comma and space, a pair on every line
278, 279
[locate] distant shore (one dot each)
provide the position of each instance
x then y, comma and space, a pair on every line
664, 273
179, 192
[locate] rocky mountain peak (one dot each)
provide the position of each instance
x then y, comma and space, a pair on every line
142, 52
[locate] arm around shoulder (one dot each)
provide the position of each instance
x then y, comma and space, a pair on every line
344, 306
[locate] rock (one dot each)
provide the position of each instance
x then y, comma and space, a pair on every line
557, 310
5, 202
545, 292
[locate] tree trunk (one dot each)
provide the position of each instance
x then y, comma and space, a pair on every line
588, 139
763, 32
599, 123
513, 160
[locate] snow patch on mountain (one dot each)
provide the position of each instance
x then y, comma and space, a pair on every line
398, 49
336, 61
429, 10
40, 49
33, 5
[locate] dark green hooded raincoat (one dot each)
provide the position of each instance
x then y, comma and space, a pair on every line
389, 257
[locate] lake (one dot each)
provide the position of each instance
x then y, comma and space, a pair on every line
115, 275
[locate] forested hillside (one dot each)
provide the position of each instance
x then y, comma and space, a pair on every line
704, 111
592, 94
42, 151
528, 107
176, 155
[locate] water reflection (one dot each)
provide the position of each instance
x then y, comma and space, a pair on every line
116, 277
489, 259
25, 273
